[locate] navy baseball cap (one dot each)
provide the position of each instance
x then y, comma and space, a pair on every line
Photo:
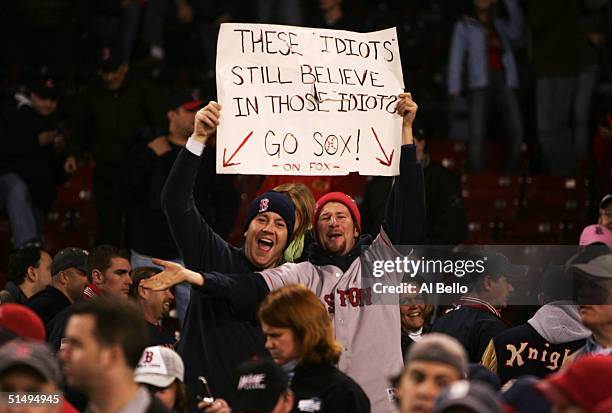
522, 397
260, 385
70, 257
110, 58
494, 263
186, 99
46, 88
500, 264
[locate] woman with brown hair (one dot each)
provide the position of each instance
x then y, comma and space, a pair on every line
300, 338
304, 210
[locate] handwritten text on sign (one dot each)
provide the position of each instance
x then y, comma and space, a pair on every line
302, 101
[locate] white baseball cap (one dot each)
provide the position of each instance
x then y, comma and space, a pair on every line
159, 366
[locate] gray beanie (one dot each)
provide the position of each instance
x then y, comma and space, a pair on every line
439, 348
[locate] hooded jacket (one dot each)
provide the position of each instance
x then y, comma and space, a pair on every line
540, 346
559, 322
469, 37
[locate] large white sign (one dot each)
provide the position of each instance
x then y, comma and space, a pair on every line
303, 101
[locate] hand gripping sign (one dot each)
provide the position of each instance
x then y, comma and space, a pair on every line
303, 101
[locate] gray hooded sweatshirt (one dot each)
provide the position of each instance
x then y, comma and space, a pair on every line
559, 322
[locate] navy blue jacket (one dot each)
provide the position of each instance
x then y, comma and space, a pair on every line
473, 327
213, 340
47, 303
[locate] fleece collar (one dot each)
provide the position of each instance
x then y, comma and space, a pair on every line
319, 256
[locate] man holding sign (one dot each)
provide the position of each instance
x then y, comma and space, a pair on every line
297, 101
303, 101
369, 333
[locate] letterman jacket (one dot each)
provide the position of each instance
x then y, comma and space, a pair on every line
539, 347
474, 323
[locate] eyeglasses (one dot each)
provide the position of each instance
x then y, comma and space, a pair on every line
606, 212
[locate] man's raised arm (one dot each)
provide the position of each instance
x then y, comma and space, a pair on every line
405, 210
194, 238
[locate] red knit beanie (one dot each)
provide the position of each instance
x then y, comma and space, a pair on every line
342, 198
19, 320
586, 382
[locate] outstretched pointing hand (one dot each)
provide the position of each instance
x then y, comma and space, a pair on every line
172, 275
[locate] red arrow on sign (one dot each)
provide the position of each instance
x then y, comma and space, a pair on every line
229, 162
388, 159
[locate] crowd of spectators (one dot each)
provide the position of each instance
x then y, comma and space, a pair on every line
117, 352
163, 311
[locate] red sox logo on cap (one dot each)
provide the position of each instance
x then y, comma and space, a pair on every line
22, 352
263, 205
148, 356
598, 230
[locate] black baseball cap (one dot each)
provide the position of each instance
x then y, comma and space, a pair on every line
494, 264
70, 257
186, 99
46, 88
260, 385
497, 263
110, 58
